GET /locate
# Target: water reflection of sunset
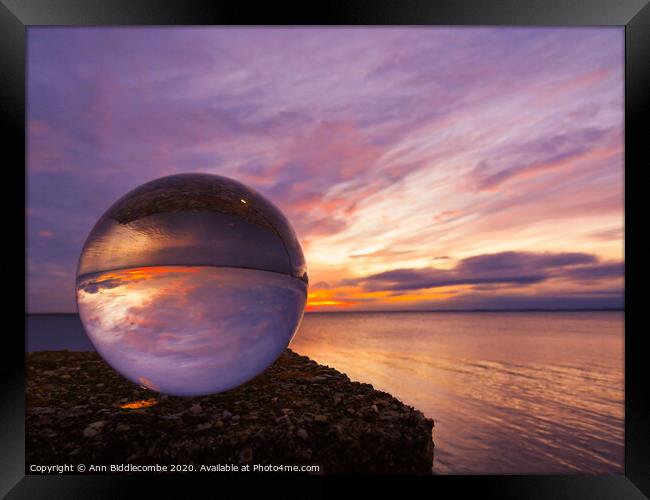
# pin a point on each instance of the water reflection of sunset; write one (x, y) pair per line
(525, 392)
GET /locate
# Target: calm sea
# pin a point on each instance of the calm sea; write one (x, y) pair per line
(510, 392)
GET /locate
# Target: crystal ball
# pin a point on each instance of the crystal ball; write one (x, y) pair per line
(191, 284)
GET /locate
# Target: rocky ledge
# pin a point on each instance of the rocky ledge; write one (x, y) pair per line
(297, 412)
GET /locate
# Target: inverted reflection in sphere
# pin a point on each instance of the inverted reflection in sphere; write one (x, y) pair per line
(191, 284)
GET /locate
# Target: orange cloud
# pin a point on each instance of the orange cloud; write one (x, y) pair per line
(317, 299)
(140, 273)
(346, 297)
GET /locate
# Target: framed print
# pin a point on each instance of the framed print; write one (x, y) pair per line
(377, 240)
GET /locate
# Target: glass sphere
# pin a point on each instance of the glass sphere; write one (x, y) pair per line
(191, 284)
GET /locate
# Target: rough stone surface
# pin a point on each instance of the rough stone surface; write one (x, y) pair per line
(297, 412)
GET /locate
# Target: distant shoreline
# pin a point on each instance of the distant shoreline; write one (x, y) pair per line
(400, 311)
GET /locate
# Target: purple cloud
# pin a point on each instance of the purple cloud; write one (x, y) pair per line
(506, 268)
(536, 156)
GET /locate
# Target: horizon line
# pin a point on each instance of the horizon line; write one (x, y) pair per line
(604, 309)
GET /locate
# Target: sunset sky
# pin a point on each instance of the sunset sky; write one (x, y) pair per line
(422, 168)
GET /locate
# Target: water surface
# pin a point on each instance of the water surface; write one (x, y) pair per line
(513, 392)
(510, 393)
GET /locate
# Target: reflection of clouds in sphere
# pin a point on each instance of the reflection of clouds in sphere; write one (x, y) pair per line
(188, 295)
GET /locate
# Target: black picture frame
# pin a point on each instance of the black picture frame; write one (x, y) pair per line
(16, 16)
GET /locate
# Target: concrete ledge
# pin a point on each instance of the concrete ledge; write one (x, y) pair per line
(297, 412)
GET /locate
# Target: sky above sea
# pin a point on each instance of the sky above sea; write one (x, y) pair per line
(422, 168)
